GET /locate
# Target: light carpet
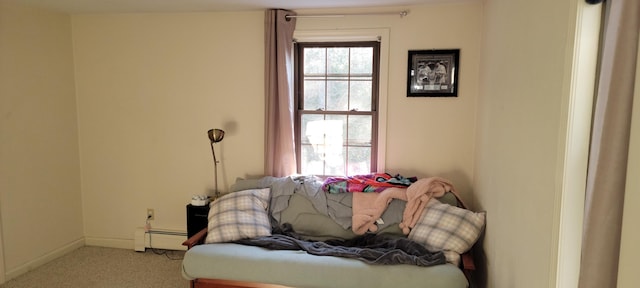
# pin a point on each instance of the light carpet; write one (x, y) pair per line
(100, 267)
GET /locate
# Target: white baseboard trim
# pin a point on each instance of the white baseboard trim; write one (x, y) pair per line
(44, 259)
(109, 242)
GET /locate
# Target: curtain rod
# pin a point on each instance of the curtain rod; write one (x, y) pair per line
(401, 14)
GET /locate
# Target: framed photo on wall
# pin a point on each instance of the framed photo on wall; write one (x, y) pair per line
(433, 73)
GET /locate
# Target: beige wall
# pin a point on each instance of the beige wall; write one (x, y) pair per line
(149, 86)
(522, 124)
(40, 203)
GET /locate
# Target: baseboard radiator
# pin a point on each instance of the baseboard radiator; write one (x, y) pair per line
(159, 239)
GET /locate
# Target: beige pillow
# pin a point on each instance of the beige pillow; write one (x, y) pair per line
(239, 215)
(447, 228)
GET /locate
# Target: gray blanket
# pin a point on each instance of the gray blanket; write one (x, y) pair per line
(370, 248)
(337, 206)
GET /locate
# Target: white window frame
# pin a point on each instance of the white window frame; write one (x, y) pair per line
(381, 35)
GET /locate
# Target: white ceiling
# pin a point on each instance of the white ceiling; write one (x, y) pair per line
(134, 6)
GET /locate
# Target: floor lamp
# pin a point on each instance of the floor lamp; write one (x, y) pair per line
(215, 135)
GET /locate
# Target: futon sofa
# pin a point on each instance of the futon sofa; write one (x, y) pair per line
(290, 232)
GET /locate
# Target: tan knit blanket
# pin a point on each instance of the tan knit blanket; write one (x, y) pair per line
(368, 207)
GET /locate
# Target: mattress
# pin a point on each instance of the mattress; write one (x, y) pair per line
(298, 269)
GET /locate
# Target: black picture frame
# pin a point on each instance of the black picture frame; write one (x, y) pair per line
(433, 73)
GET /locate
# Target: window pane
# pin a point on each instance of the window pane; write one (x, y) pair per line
(325, 138)
(304, 122)
(360, 99)
(314, 61)
(359, 160)
(362, 60)
(310, 164)
(359, 130)
(337, 96)
(314, 95)
(338, 61)
(342, 119)
(335, 163)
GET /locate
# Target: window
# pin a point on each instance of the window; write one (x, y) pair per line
(336, 86)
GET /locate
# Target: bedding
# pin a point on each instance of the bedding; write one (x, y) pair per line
(418, 195)
(370, 248)
(239, 215)
(368, 208)
(301, 214)
(447, 228)
(375, 182)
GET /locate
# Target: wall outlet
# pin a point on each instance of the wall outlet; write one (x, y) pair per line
(150, 214)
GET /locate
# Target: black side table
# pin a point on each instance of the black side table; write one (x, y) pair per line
(197, 219)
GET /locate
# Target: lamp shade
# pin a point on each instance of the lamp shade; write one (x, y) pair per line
(216, 135)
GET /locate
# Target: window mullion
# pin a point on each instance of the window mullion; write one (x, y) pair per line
(326, 78)
(346, 133)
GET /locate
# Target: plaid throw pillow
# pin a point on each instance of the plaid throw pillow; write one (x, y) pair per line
(239, 215)
(447, 228)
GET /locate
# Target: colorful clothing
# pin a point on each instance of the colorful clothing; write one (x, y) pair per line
(375, 182)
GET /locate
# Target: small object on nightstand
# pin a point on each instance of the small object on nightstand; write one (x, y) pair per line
(199, 200)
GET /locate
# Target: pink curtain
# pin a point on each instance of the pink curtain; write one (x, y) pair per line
(608, 156)
(280, 158)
